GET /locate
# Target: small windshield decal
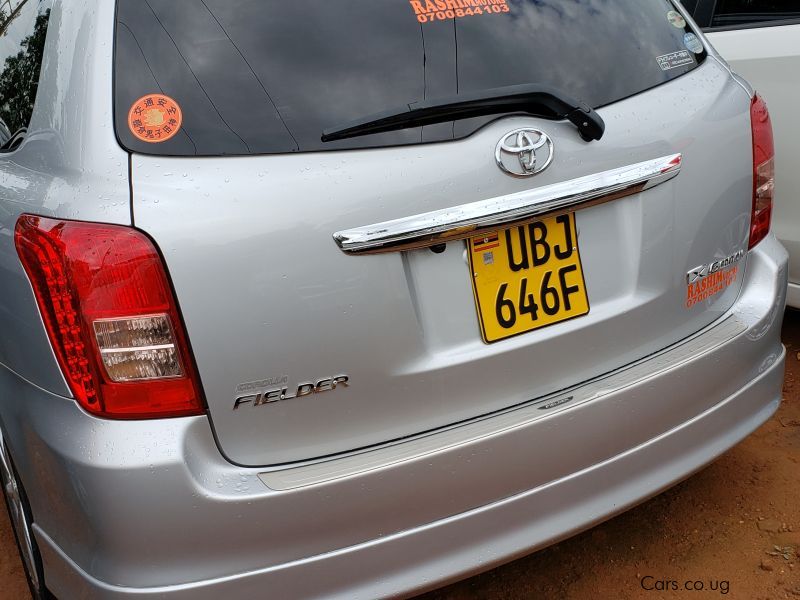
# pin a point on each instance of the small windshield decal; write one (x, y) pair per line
(692, 42)
(673, 60)
(441, 10)
(155, 118)
(676, 19)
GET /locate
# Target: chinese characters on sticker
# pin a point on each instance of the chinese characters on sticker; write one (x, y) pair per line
(155, 118)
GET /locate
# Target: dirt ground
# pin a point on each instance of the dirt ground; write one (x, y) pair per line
(732, 530)
(12, 575)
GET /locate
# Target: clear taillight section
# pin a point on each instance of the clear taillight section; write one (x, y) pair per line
(763, 170)
(138, 348)
(111, 317)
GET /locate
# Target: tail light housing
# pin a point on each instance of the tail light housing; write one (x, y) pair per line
(763, 170)
(111, 317)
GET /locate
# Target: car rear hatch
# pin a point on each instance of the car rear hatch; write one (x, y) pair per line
(314, 330)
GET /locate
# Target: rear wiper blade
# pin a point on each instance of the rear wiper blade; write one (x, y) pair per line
(537, 100)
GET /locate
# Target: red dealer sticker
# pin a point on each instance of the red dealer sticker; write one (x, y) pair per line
(709, 286)
(155, 118)
(440, 10)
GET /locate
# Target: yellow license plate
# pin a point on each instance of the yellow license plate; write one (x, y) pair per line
(527, 277)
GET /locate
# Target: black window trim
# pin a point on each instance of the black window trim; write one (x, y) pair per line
(704, 14)
(753, 25)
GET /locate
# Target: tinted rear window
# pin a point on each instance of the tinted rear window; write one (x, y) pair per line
(261, 77)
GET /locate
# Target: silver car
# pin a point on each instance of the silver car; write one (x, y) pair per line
(761, 40)
(351, 299)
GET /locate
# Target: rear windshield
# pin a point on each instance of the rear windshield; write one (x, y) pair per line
(216, 77)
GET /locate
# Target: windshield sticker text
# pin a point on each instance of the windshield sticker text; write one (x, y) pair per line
(440, 10)
(673, 60)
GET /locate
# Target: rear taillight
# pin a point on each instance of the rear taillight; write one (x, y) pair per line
(111, 316)
(763, 170)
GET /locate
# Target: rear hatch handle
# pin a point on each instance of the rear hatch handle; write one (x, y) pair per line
(533, 99)
(486, 216)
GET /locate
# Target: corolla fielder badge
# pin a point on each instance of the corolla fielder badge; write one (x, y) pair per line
(275, 389)
(524, 152)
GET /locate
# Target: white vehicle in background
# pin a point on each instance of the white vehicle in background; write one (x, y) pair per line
(760, 39)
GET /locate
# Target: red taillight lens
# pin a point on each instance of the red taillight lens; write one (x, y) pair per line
(111, 317)
(763, 170)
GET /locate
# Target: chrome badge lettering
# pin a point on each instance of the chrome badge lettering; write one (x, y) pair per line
(703, 271)
(268, 396)
(554, 403)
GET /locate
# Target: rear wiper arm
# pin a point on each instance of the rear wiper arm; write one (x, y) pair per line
(537, 100)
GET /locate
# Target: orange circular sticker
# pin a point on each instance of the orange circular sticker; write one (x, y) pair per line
(155, 118)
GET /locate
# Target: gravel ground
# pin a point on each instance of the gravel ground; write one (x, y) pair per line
(733, 528)
(12, 575)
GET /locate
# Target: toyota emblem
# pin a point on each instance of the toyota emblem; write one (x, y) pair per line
(524, 152)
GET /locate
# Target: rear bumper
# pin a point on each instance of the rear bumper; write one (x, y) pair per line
(151, 509)
(793, 295)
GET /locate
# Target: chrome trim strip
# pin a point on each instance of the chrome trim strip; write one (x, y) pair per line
(484, 216)
(137, 348)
